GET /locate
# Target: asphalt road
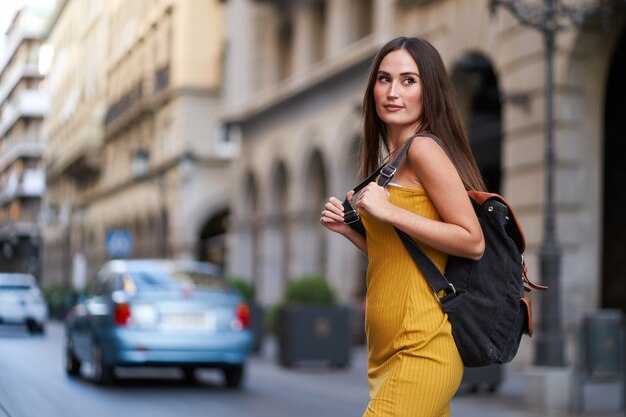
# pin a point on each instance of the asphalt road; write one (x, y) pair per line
(33, 383)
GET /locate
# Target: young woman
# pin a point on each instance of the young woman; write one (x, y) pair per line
(414, 368)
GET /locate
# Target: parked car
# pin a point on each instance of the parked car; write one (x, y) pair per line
(21, 302)
(159, 313)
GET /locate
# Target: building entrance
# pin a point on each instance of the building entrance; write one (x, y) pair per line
(614, 233)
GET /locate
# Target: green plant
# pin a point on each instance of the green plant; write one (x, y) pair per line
(271, 317)
(59, 298)
(243, 286)
(309, 289)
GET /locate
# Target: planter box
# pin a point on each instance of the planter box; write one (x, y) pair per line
(257, 325)
(314, 333)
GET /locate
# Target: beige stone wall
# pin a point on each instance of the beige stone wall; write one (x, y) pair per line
(296, 112)
(278, 130)
(153, 72)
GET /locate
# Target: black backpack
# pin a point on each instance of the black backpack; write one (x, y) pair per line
(484, 299)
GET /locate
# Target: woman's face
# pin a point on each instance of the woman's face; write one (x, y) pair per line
(398, 92)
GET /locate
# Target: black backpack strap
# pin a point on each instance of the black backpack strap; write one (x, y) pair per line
(431, 273)
(385, 174)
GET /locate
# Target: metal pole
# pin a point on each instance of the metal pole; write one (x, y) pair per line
(164, 219)
(550, 341)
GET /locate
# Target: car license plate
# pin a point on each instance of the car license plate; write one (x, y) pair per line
(176, 321)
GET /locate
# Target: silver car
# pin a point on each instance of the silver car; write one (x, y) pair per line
(21, 302)
(159, 313)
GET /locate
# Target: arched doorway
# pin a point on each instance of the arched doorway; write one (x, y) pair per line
(212, 243)
(614, 233)
(317, 191)
(479, 100)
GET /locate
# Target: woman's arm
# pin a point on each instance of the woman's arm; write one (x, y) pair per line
(332, 219)
(458, 233)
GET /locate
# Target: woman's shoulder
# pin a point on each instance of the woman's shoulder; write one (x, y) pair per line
(426, 155)
(426, 146)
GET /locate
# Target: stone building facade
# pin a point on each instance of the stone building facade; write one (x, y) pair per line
(23, 104)
(135, 159)
(174, 121)
(295, 79)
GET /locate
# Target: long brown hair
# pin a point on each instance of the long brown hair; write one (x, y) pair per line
(439, 115)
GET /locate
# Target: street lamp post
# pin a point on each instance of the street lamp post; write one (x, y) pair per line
(549, 18)
(141, 171)
(164, 238)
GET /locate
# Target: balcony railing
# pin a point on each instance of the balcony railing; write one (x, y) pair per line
(31, 184)
(25, 26)
(26, 103)
(124, 103)
(161, 78)
(31, 146)
(14, 75)
(81, 153)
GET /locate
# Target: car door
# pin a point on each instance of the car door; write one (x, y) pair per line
(99, 308)
(79, 320)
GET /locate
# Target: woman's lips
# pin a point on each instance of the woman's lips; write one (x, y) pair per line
(393, 107)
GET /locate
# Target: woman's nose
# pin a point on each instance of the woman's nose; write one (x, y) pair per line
(391, 91)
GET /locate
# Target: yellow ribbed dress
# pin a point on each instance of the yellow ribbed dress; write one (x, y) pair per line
(414, 368)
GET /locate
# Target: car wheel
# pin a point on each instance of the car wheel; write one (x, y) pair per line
(233, 375)
(72, 364)
(35, 328)
(103, 374)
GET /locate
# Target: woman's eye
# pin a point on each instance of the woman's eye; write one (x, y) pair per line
(408, 81)
(383, 79)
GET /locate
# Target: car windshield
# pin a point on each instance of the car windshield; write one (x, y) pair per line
(15, 282)
(164, 279)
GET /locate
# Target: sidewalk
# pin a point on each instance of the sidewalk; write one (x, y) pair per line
(601, 400)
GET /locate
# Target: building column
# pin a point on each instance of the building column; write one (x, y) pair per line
(239, 52)
(240, 246)
(304, 44)
(383, 12)
(270, 266)
(339, 31)
(307, 256)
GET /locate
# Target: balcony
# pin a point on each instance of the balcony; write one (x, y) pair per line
(26, 103)
(125, 109)
(31, 146)
(13, 229)
(35, 32)
(161, 78)
(80, 157)
(32, 183)
(15, 74)
(143, 97)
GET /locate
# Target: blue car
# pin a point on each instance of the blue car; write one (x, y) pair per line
(159, 313)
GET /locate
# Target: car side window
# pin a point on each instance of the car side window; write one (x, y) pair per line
(98, 285)
(114, 283)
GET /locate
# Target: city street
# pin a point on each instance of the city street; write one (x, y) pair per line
(33, 384)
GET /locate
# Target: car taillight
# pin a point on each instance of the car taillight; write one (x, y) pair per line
(122, 314)
(243, 315)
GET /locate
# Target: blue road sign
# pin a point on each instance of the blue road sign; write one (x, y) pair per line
(119, 243)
